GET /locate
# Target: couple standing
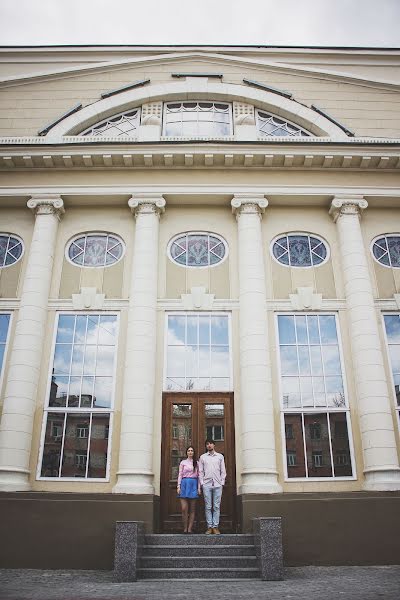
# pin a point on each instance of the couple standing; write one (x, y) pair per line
(207, 474)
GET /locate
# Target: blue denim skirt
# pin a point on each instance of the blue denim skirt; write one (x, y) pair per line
(189, 486)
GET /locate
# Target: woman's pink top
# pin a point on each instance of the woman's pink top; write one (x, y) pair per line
(186, 470)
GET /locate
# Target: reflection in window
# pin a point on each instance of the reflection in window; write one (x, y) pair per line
(197, 250)
(124, 124)
(270, 125)
(299, 250)
(11, 249)
(392, 326)
(181, 435)
(80, 396)
(215, 415)
(198, 356)
(205, 119)
(386, 251)
(314, 406)
(95, 250)
(4, 324)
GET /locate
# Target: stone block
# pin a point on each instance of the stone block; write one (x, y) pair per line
(129, 536)
(269, 549)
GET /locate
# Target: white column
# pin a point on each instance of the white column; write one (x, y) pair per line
(135, 472)
(381, 466)
(26, 354)
(259, 474)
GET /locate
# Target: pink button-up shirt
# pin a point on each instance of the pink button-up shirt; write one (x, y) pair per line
(212, 471)
(186, 470)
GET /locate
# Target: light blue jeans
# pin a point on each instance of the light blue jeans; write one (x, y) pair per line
(212, 502)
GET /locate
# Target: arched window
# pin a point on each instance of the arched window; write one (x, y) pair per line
(386, 250)
(299, 250)
(125, 123)
(11, 249)
(197, 249)
(270, 125)
(184, 119)
(95, 250)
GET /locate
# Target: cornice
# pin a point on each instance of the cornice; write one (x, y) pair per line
(93, 154)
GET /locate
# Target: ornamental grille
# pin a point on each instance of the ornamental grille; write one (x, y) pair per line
(268, 124)
(197, 250)
(95, 250)
(118, 125)
(299, 251)
(386, 251)
(197, 118)
(10, 250)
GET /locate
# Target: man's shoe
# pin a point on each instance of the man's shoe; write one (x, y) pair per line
(209, 531)
(216, 531)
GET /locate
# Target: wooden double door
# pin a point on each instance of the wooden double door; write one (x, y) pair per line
(188, 419)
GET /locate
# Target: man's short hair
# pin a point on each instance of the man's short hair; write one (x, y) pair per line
(210, 441)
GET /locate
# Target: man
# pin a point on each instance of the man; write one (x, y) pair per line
(212, 476)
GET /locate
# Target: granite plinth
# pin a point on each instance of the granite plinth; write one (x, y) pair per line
(129, 537)
(268, 543)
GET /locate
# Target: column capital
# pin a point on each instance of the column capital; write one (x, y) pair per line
(147, 204)
(347, 205)
(46, 204)
(249, 204)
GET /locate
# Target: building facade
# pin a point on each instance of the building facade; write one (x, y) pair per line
(200, 241)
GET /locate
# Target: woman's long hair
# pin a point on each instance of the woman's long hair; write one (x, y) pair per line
(194, 456)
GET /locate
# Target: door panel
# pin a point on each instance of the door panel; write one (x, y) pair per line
(188, 419)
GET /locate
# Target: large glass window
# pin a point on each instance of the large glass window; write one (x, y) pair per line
(207, 119)
(4, 325)
(95, 250)
(197, 249)
(11, 249)
(271, 125)
(80, 398)
(314, 405)
(392, 326)
(386, 250)
(124, 124)
(198, 352)
(299, 250)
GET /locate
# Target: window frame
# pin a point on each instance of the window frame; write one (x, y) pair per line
(175, 313)
(392, 386)
(373, 242)
(315, 410)
(188, 233)
(6, 344)
(93, 233)
(261, 135)
(196, 136)
(21, 241)
(114, 116)
(300, 233)
(76, 410)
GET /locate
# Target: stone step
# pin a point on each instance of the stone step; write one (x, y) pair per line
(195, 573)
(200, 562)
(169, 539)
(199, 550)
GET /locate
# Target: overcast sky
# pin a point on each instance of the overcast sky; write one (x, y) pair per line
(247, 22)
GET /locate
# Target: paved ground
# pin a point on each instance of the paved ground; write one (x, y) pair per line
(310, 583)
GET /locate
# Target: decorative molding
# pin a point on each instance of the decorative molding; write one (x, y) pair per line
(198, 299)
(147, 204)
(88, 299)
(347, 205)
(47, 204)
(306, 299)
(397, 300)
(249, 204)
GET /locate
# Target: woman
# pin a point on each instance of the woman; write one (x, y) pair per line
(188, 488)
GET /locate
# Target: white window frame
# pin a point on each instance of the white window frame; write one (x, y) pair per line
(319, 410)
(302, 233)
(261, 134)
(396, 407)
(93, 233)
(371, 247)
(196, 136)
(194, 314)
(64, 409)
(114, 116)
(6, 345)
(188, 233)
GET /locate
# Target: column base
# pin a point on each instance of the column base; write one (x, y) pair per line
(382, 480)
(14, 481)
(260, 483)
(134, 483)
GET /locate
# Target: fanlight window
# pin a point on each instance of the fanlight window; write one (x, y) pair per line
(11, 249)
(386, 250)
(182, 119)
(118, 125)
(95, 250)
(197, 249)
(268, 124)
(299, 250)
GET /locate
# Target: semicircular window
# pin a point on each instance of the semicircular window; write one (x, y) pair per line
(299, 250)
(270, 125)
(11, 249)
(185, 119)
(125, 123)
(386, 250)
(197, 249)
(95, 250)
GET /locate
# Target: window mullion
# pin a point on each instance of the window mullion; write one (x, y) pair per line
(62, 444)
(330, 442)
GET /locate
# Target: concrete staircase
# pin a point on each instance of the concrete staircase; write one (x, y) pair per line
(192, 556)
